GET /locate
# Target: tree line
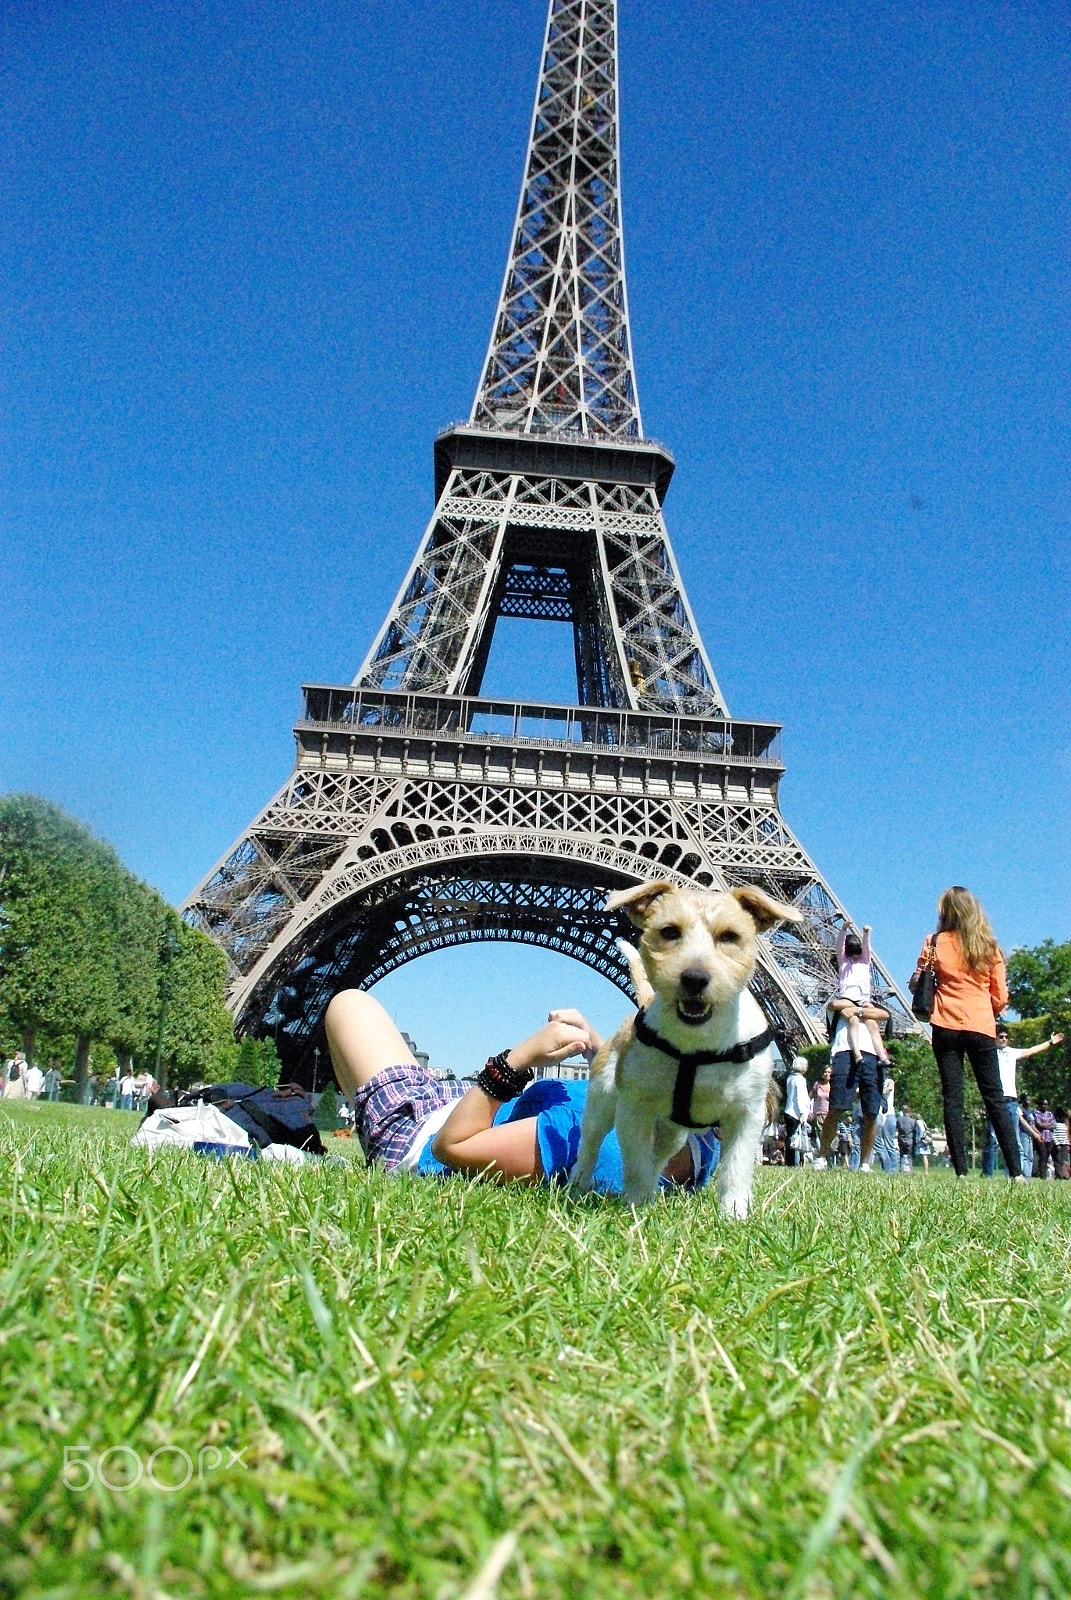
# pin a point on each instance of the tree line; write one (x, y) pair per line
(91, 957)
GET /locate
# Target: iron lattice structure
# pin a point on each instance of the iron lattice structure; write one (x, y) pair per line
(421, 814)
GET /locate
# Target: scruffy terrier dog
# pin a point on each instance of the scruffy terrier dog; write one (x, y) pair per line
(698, 1052)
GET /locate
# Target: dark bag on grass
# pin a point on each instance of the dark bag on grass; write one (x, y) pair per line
(269, 1116)
(924, 987)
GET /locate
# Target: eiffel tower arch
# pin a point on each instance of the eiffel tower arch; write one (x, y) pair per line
(422, 814)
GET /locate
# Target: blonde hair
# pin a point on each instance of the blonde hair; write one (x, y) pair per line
(959, 912)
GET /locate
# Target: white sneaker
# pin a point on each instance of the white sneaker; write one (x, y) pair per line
(864, 1166)
(820, 1163)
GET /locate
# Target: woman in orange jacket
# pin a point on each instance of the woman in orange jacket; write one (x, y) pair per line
(972, 991)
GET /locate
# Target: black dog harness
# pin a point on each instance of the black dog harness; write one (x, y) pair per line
(689, 1061)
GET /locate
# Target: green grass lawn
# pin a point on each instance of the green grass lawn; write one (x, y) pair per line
(865, 1390)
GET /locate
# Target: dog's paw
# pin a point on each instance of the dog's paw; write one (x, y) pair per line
(736, 1206)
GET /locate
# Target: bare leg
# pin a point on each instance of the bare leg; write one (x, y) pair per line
(362, 1040)
(855, 1041)
(866, 1138)
(874, 1016)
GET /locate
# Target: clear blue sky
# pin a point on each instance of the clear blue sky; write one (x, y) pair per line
(249, 260)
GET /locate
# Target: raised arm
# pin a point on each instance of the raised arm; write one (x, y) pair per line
(866, 944)
(1039, 1049)
(469, 1142)
(842, 935)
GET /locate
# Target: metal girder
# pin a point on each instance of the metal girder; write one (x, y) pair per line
(637, 642)
(560, 356)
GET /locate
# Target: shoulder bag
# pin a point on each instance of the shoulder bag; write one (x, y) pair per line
(924, 985)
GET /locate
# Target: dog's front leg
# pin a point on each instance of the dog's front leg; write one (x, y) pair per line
(599, 1108)
(741, 1135)
(639, 1156)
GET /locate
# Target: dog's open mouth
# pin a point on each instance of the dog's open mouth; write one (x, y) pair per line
(694, 1012)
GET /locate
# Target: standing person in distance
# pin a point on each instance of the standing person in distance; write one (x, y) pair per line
(923, 1144)
(1044, 1122)
(820, 1100)
(1061, 1144)
(972, 991)
(1008, 1060)
(905, 1139)
(797, 1110)
(885, 1143)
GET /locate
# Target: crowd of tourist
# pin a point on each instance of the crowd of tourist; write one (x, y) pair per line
(900, 1138)
(124, 1090)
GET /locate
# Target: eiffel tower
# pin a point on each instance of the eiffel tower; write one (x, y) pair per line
(421, 814)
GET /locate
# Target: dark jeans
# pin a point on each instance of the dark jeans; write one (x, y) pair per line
(793, 1158)
(950, 1045)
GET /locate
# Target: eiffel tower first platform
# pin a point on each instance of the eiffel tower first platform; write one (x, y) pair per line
(420, 814)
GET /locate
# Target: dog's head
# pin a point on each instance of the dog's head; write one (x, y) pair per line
(698, 948)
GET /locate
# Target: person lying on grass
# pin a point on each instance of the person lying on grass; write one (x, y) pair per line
(501, 1123)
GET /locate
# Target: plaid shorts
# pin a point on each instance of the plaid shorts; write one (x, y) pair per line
(390, 1107)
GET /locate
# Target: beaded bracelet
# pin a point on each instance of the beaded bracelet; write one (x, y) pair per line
(499, 1080)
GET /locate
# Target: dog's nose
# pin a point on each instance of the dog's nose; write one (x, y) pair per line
(693, 980)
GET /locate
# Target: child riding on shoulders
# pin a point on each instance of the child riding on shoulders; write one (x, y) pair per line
(853, 997)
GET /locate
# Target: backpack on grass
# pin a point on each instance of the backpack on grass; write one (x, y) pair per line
(269, 1116)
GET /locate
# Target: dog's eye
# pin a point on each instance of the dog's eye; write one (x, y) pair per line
(727, 936)
(670, 932)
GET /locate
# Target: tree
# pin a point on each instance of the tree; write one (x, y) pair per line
(326, 1117)
(915, 1075)
(57, 933)
(139, 915)
(1039, 983)
(1039, 979)
(198, 1030)
(89, 952)
(258, 1062)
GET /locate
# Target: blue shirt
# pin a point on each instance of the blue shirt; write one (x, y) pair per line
(558, 1107)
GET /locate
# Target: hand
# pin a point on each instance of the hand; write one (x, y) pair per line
(866, 927)
(554, 1042)
(1056, 1038)
(579, 1021)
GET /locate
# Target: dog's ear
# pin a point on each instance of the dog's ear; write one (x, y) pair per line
(764, 911)
(638, 901)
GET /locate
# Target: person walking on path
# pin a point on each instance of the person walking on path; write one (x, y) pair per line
(972, 991)
(797, 1111)
(1008, 1060)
